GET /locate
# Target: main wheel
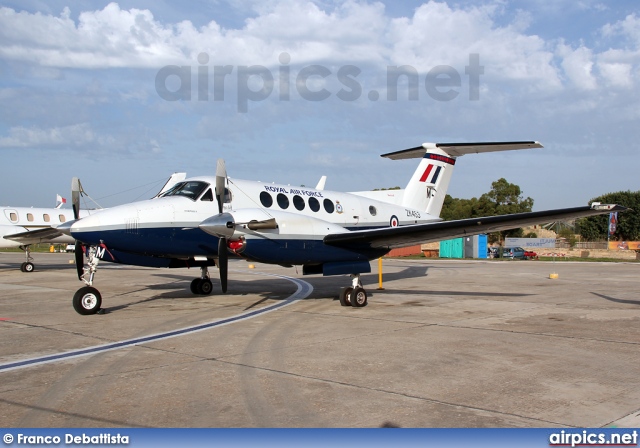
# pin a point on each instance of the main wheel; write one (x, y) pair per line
(195, 285)
(358, 298)
(87, 300)
(205, 287)
(28, 267)
(22, 266)
(345, 296)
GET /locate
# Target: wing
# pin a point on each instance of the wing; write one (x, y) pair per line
(393, 237)
(35, 236)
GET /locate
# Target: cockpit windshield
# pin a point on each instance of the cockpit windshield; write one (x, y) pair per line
(191, 189)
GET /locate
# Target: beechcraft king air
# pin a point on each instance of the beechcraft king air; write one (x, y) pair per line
(200, 220)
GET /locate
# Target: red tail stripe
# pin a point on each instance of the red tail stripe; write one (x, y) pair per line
(426, 173)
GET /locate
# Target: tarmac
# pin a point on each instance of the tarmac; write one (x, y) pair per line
(458, 343)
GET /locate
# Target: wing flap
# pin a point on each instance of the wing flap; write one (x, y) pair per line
(394, 237)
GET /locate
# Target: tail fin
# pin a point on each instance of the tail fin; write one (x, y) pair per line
(429, 184)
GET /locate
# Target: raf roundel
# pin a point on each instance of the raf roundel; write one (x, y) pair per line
(393, 222)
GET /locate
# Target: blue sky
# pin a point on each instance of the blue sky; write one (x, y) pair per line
(79, 97)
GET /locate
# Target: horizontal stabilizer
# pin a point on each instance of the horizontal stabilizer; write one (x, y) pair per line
(394, 237)
(460, 149)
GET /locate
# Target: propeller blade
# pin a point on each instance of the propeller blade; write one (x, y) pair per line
(223, 262)
(79, 257)
(221, 177)
(76, 191)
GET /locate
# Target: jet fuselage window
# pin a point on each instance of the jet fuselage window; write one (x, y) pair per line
(30, 217)
(298, 202)
(265, 199)
(373, 210)
(283, 201)
(328, 206)
(13, 217)
(190, 189)
(62, 218)
(46, 218)
(314, 204)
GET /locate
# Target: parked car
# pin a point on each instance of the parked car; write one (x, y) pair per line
(513, 253)
(70, 248)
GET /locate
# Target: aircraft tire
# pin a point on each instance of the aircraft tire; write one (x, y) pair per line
(358, 298)
(345, 293)
(28, 267)
(22, 266)
(195, 285)
(87, 300)
(205, 287)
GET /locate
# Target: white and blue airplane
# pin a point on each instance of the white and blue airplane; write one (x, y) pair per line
(198, 221)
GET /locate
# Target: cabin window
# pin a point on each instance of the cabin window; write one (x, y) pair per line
(298, 202)
(62, 218)
(283, 201)
(208, 196)
(46, 218)
(30, 217)
(13, 217)
(227, 196)
(328, 206)
(314, 204)
(265, 199)
(373, 210)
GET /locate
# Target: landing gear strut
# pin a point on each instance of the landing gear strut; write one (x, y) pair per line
(87, 300)
(354, 295)
(27, 266)
(202, 285)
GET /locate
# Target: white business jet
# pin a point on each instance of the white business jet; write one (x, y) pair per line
(200, 220)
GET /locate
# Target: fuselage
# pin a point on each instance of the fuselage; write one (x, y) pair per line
(167, 226)
(15, 220)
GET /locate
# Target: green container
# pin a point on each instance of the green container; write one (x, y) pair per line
(452, 248)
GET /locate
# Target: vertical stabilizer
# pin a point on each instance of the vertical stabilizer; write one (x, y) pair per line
(429, 184)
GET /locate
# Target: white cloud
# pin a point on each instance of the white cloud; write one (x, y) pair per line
(578, 65)
(23, 137)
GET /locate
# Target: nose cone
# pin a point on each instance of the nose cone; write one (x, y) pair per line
(221, 225)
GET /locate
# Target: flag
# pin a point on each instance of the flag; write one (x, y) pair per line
(59, 201)
(613, 221)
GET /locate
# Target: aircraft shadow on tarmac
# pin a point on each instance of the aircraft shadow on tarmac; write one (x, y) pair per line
(279, 289)
(612, 299)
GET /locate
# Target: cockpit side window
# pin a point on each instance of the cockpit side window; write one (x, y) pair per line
(208, 196)
(190, 189)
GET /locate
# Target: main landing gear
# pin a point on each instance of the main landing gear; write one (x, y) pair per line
(354, 295)
(27, 266)
(202, 285)
(87, 300)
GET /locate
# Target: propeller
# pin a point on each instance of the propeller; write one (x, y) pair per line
(223, 255)
(76, 191)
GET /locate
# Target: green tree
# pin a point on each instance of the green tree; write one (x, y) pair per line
(503, 198)
(596, 228)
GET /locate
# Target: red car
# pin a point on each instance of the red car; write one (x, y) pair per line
(530, 255)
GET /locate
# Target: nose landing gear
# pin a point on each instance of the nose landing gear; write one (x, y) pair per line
(354, 295)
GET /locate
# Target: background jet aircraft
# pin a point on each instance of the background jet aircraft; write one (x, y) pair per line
(200, 220)
(23, 226)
